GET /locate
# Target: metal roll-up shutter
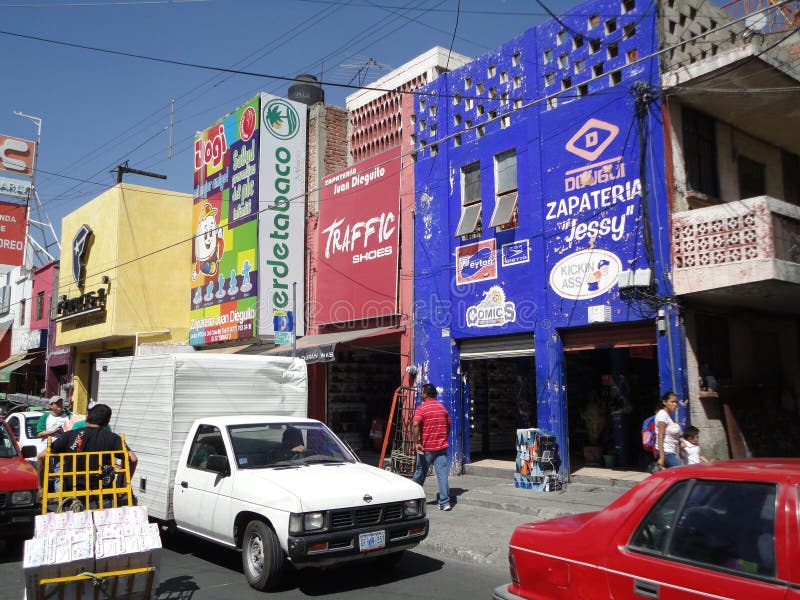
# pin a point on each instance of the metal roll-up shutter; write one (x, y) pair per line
(610, 336)
(499, 346)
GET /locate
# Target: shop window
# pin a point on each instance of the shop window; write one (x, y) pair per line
(791, 177)
(752, 177)
(39, 305)
(470, 222)
(700, 152)
(505, 176)
(5, 299)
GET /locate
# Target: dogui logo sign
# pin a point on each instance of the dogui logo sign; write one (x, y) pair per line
(13, 223)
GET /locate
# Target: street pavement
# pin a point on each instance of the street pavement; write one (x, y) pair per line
(487, 507)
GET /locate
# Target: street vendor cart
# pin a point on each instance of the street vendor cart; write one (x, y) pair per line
(91, 541)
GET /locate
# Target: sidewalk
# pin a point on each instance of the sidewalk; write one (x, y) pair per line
(487, 507)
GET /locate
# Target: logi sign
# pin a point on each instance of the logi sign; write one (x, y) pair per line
(585, 274)
(359, 240)
(281, 219)
(224, 290)
(13, 224)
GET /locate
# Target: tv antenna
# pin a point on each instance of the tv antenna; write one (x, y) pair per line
(363, 69)
(124, 168)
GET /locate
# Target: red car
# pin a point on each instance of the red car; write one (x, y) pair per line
(18, 488)
(727, 529)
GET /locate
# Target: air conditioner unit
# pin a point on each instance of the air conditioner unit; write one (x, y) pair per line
(600, 313)
(638, 278)
(642, 277)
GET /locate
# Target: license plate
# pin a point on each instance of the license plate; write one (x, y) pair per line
(371, 541)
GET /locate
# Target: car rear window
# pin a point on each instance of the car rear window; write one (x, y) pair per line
(726, 525)
(30, 426)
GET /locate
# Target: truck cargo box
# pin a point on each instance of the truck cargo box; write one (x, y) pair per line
(156, 398)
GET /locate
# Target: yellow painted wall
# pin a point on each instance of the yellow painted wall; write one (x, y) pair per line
(141, 243)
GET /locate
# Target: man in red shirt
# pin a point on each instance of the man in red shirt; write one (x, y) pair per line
(431, 430)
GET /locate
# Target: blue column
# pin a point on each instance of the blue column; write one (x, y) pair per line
(551, 396)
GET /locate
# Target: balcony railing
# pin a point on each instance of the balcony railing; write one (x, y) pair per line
(780, 16)
(733, 239)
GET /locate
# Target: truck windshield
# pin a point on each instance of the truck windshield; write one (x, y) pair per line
(274, 445)
(8, 449)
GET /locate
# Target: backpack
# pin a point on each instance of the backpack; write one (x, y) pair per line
(649, 434)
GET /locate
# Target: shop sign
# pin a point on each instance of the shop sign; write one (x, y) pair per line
(224, 267)
(515, 253)
(80, 246)
(585, 274)
(16, 188)
(16, 155)
(13, 226)
(493, 311)
(85, 304)
(281, 217)
(359, 237)
(476, 262)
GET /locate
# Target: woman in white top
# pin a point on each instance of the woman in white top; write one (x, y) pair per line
(669, 433)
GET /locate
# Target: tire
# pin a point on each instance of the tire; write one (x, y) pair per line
(262, 556)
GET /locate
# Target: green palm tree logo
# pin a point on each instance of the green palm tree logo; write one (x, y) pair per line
(281, 119)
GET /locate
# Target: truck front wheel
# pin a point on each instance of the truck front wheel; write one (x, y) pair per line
(262, 556)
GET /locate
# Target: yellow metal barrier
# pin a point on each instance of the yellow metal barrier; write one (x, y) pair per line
(96, 479)
(101, 585)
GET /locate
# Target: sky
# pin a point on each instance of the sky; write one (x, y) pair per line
(100, 109)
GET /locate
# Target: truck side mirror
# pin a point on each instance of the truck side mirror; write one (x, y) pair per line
(29, 451)
(218, 463)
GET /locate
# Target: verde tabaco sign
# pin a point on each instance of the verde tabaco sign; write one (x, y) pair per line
(281, 223)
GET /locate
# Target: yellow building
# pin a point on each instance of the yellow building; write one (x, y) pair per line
(123, 279)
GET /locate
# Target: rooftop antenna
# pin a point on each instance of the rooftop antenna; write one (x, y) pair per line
(124, 168)
(361, 74)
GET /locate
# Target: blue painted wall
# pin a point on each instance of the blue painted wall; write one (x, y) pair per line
(581, 206)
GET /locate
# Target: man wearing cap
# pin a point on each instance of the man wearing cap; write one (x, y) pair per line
(51, 424)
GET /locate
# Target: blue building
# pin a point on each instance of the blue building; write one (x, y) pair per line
(541, 269)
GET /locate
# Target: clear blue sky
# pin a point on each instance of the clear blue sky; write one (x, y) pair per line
(100, 109)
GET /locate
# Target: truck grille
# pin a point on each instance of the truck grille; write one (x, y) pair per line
(2, 499)
(367, 516)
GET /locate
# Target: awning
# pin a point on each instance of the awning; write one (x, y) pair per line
(319, 348)
(5, 372)
(12, 359)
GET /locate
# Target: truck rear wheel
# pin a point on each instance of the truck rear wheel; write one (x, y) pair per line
(262, 556)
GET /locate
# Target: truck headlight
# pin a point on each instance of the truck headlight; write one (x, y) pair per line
(302, 522)
(20, 498)
(313, 521)
(411, 508)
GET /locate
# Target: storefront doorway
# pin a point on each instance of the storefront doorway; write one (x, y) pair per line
(609, 393)
(361, 383)
(498, 394)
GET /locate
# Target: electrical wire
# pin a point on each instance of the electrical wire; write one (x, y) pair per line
(302, 196)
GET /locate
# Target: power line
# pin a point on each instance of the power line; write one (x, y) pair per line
(103, 4)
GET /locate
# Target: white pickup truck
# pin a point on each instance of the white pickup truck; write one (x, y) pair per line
(280, 487)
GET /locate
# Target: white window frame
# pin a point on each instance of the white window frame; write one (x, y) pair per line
(469, 224)
(505, 205)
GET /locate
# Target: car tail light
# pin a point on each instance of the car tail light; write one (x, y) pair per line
(512, 567)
